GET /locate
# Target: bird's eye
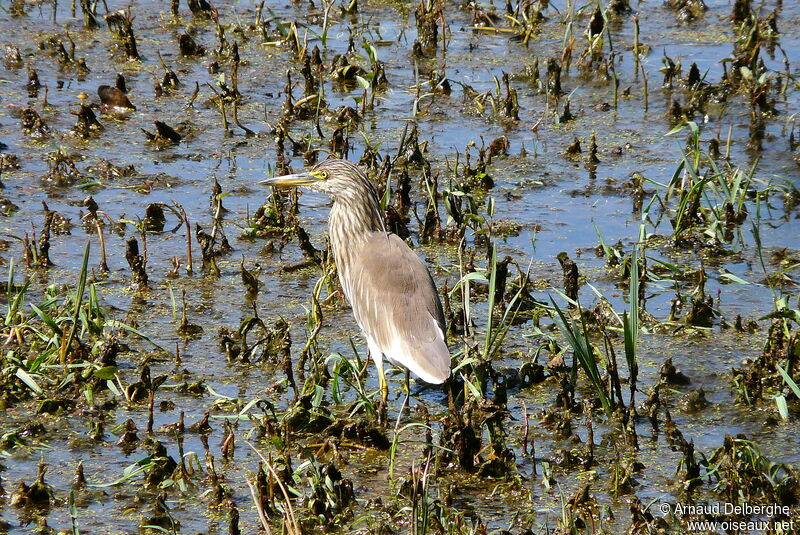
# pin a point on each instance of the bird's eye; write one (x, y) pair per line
(324, 175)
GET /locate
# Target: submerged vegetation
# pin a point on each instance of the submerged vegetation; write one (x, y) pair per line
(606, 195)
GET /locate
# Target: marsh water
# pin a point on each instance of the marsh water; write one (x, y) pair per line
(547, 201)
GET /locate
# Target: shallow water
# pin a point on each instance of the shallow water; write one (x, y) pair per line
(542, 190)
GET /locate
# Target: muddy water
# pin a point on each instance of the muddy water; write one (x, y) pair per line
(553, 199)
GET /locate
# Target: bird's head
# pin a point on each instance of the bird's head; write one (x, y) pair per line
(333, 177)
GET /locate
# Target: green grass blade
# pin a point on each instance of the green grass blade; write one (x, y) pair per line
(28, 380)
(45, 317)
(78, 302)
(116, 324)
(789, 381)
(579, 342)
(630, 323)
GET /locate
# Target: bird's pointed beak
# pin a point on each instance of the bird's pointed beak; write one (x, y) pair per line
(297, 179)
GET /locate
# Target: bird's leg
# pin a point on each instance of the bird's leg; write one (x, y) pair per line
(384, 386)
(408, 388)
(383, 402)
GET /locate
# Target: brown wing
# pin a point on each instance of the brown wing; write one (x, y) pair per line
(395, 303)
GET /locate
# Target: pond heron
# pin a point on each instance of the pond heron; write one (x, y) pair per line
(392, 294)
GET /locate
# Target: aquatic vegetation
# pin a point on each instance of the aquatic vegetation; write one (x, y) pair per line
(605, 194)
(67, 345)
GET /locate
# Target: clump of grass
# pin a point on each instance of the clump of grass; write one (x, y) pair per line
(62, 344)
(744, 474)
(583, 352)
